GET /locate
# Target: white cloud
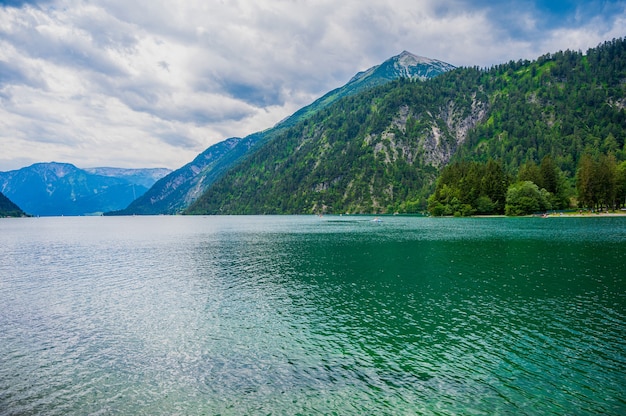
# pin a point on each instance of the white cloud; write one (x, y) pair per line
(153, 83)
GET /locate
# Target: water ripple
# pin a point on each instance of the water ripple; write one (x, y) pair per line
(298, 315)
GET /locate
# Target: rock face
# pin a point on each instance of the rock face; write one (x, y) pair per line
(442, 142)
(175, 192)
(50, 189)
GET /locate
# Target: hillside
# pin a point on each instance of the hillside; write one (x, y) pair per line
(381, 151)
(8, 208)
(175, 191)
(49, 189)
(182, 187)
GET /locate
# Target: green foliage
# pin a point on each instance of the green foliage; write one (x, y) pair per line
(485, 205)
(547, 176)
(8, 208)
(467, 188)
(556, 106)
(600, 182)
(525, 198)
(620, 184)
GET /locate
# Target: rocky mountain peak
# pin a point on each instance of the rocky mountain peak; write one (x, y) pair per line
(409, 65)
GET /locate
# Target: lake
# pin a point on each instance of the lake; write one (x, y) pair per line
(303, 315)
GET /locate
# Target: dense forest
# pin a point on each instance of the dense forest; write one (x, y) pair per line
(544, 134)
(468, 188)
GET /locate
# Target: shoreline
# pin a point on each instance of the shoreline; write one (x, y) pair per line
(558, 215)
(586, 214)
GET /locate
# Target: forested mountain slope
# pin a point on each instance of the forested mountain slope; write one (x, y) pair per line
(179, 188)
(8, 208)
(382, 150)
(558, 105)
(366, 153)
(182, 187)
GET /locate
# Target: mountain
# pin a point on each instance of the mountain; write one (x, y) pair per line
(143, 177)
(406, 66)
(381, 150)
(178, 189)
(8, 208)
(63, 189)
(182, 187)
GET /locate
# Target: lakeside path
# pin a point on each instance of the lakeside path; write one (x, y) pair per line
(587, 214)
(562, 215)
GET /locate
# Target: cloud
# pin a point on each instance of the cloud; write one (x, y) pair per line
(153, 83)
(11, 73)
(20, 3)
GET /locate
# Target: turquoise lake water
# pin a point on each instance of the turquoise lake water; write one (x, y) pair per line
(306, 315)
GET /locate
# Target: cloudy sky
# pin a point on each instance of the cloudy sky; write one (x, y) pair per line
(152, 83)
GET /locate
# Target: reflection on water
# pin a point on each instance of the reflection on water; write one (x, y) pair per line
(287, 315)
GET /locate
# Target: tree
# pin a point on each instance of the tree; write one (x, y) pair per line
(597, 181)
(466, 188)
(494, 184)
(484, 205)
(525, 198)
(549, 174)
(606, 168)
(620, 184)
(530, 172)
(585, 182)
(610, 145)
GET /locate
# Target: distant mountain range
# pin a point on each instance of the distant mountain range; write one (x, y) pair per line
(175, 192)
(49, 189)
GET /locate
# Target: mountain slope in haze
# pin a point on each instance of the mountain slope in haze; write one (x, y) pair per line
(182, 187)
(50, 189)
(178, 189)
(380, 151)
(144, 177)
(8, 208)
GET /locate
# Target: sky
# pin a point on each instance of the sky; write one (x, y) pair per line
(153, 83)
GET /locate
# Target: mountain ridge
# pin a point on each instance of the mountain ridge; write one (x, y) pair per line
(182, 187)
(54, 188)
(403, 65)
(382, 150)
